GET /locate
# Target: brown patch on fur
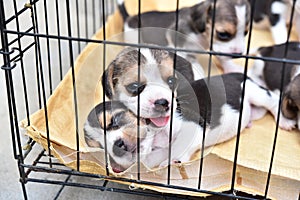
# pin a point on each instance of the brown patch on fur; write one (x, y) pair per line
(159, 55)
(166, 68)
(130, 132)
(225, 15)
(92, 143)
(108, 116)
(132, 75)
(291, 99)
(225, 26)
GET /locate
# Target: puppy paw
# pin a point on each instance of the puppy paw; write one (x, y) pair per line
(286, 124)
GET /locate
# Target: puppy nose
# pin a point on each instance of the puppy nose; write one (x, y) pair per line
(119, 148)
(161, 105)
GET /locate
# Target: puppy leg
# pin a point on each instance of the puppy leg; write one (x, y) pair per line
(256, 72)
(187, 142)
(156, 157)
(278, 29)
(257, 112)
(262, 97)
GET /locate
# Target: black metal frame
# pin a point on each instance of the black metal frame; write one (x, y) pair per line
(13, 52)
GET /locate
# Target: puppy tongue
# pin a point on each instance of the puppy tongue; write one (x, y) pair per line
(160, 121)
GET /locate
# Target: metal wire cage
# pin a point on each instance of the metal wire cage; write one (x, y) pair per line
(36, 55)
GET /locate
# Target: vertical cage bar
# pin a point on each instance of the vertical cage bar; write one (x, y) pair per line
(73, 82)
(104, 74)
(139, 96)
(78, 25)
(172, 103)
(59, 40)
(11, 100)
(41, 76)
(86, 19)
(48, 46)
(206, 100)
(22, 66)
(280, 101)
(242, 101)
(36, 40)
(94, 16)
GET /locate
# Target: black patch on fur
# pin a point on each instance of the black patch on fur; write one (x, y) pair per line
(167, 20)
(106, 86)
(262, 9)
(274, 19)
(123, 11)
(198, 99)
(273, 70)
(98, 109)
(183, 66)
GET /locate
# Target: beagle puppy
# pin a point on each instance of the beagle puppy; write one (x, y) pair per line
(121, 134)
(216, 103)
(150, 87)
(231, 24)
(269, 75)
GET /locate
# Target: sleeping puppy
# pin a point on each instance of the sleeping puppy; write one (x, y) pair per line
(121, 134)
(231, 26)
(269, 74)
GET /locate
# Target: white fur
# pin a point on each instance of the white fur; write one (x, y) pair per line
(296, 73)
(256, 72)
(131, 35)
(120, 2)
(156, 88)
(279, 30)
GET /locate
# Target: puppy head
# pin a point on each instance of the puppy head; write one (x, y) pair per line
(231, 23)
(148, 87)
(291, 99)
(121, 133)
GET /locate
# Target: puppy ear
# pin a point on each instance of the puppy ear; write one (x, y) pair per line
(91, 142)
(107, 81)
(289, 108)
(200, 14)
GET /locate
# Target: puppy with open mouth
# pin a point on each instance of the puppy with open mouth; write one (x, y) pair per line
(152, 87)
(231, 24)
(269, 74)
(214, 103)
(120, 127)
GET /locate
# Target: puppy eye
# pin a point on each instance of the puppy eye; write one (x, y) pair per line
(224, 36)
(135, 88)
(292, 106)
(172, 82)
(116, 121)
